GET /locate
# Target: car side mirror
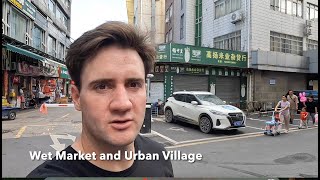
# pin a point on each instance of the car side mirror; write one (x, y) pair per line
(194, 102)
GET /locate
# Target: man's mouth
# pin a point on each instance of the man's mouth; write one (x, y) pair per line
(121, 124)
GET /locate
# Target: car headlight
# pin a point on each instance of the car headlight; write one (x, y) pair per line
(218, 113)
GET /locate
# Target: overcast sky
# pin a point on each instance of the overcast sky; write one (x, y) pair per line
(86, 15)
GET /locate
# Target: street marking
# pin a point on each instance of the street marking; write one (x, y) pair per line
(21, 131)
(253, 127)
(215, 138)
(56, 144)
(165, 137)
(65, 115)
(227, 139)
(158, 119)
(177, 129)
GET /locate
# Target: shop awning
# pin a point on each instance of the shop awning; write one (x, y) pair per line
(24, 52)
(53, 62)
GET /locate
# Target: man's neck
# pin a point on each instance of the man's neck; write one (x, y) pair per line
(85, 144)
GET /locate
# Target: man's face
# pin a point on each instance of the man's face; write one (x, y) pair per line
(113, 96)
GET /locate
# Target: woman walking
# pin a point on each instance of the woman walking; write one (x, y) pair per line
(284, 113)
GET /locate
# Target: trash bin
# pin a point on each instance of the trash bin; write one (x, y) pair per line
(146, 126)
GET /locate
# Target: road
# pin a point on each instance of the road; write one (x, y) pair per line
(244, 153)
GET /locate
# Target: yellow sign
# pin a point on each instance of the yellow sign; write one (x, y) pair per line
(17, 3)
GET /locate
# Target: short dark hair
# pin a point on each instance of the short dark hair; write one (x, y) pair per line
(116, 33)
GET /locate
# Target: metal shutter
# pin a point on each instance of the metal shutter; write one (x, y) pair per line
(190, 83)
(228, 88)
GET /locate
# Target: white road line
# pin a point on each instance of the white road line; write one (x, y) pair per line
(227, 139)
(215, 138)
(165, 137)
(253, 127)
(65, 115)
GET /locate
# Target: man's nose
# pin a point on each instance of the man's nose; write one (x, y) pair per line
(120, 100)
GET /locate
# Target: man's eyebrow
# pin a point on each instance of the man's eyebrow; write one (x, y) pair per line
(98, 81)
(135, 79)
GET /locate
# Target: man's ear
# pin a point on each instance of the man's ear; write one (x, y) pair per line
(75, 93)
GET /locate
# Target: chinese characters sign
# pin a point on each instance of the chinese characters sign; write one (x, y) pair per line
(200, 55)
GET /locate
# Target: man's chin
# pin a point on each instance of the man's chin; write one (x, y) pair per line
(121, 140)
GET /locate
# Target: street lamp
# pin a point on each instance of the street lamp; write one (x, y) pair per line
(149, 76)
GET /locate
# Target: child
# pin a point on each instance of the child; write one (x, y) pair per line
(303, 118)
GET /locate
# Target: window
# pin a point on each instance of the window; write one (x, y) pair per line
(170, 11)
(231, 41)
(38, 38)
(18, 26)
(312, 11)
(59, 14)
(190, 98)
(51, 6)
(198, 25)
(224, 7)
(181, 1)
(286, 43)
(182, 27)
(178, 97)
(291, 7)
(60, 51)
(312, 44)
(51, 46)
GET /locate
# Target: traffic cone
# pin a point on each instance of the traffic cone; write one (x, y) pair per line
(44, 109)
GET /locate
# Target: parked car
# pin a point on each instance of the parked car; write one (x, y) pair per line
(203, 109)
(308, 94)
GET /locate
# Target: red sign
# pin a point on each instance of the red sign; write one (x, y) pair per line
(26, 69)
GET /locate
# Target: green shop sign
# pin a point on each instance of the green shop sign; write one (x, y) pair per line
(181, 53)
(64, 73)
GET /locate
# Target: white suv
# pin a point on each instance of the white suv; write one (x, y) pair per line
(203, 109)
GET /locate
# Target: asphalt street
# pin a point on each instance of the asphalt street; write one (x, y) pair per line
(242, 153)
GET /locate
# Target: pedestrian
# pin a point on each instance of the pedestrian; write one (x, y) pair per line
(284, 113)
(293, 100)
(303, 118)
(311, 107)
(22, 98)
(109, 65)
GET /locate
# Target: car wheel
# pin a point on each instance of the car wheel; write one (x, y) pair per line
(12, 115)
(205, 124)
(169, 116)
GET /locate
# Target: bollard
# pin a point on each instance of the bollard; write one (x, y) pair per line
(146, 126)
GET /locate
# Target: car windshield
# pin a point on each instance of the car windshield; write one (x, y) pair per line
(210, 98)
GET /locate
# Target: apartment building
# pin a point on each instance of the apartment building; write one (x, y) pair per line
(148, 15)
(35, 38)
(280, 38)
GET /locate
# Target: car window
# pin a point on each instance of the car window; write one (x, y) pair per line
(179, 97)
(190, 98)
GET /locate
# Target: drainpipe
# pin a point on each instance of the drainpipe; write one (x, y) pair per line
(153, 21)
(249, 87)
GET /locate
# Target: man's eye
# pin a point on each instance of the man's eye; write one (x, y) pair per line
(101, 86)
(135, 84)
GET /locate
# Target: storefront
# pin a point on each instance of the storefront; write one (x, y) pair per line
(183, 67)
(65, 80)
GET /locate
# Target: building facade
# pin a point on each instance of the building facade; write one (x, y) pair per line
(35, 38)
(280, 37)
(148, 15)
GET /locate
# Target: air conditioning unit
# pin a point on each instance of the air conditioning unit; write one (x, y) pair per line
(307, 31)
(309, 23)
(236, 17)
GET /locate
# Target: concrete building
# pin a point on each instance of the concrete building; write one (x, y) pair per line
(148, 15)
(278, 35)
(35, 38)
